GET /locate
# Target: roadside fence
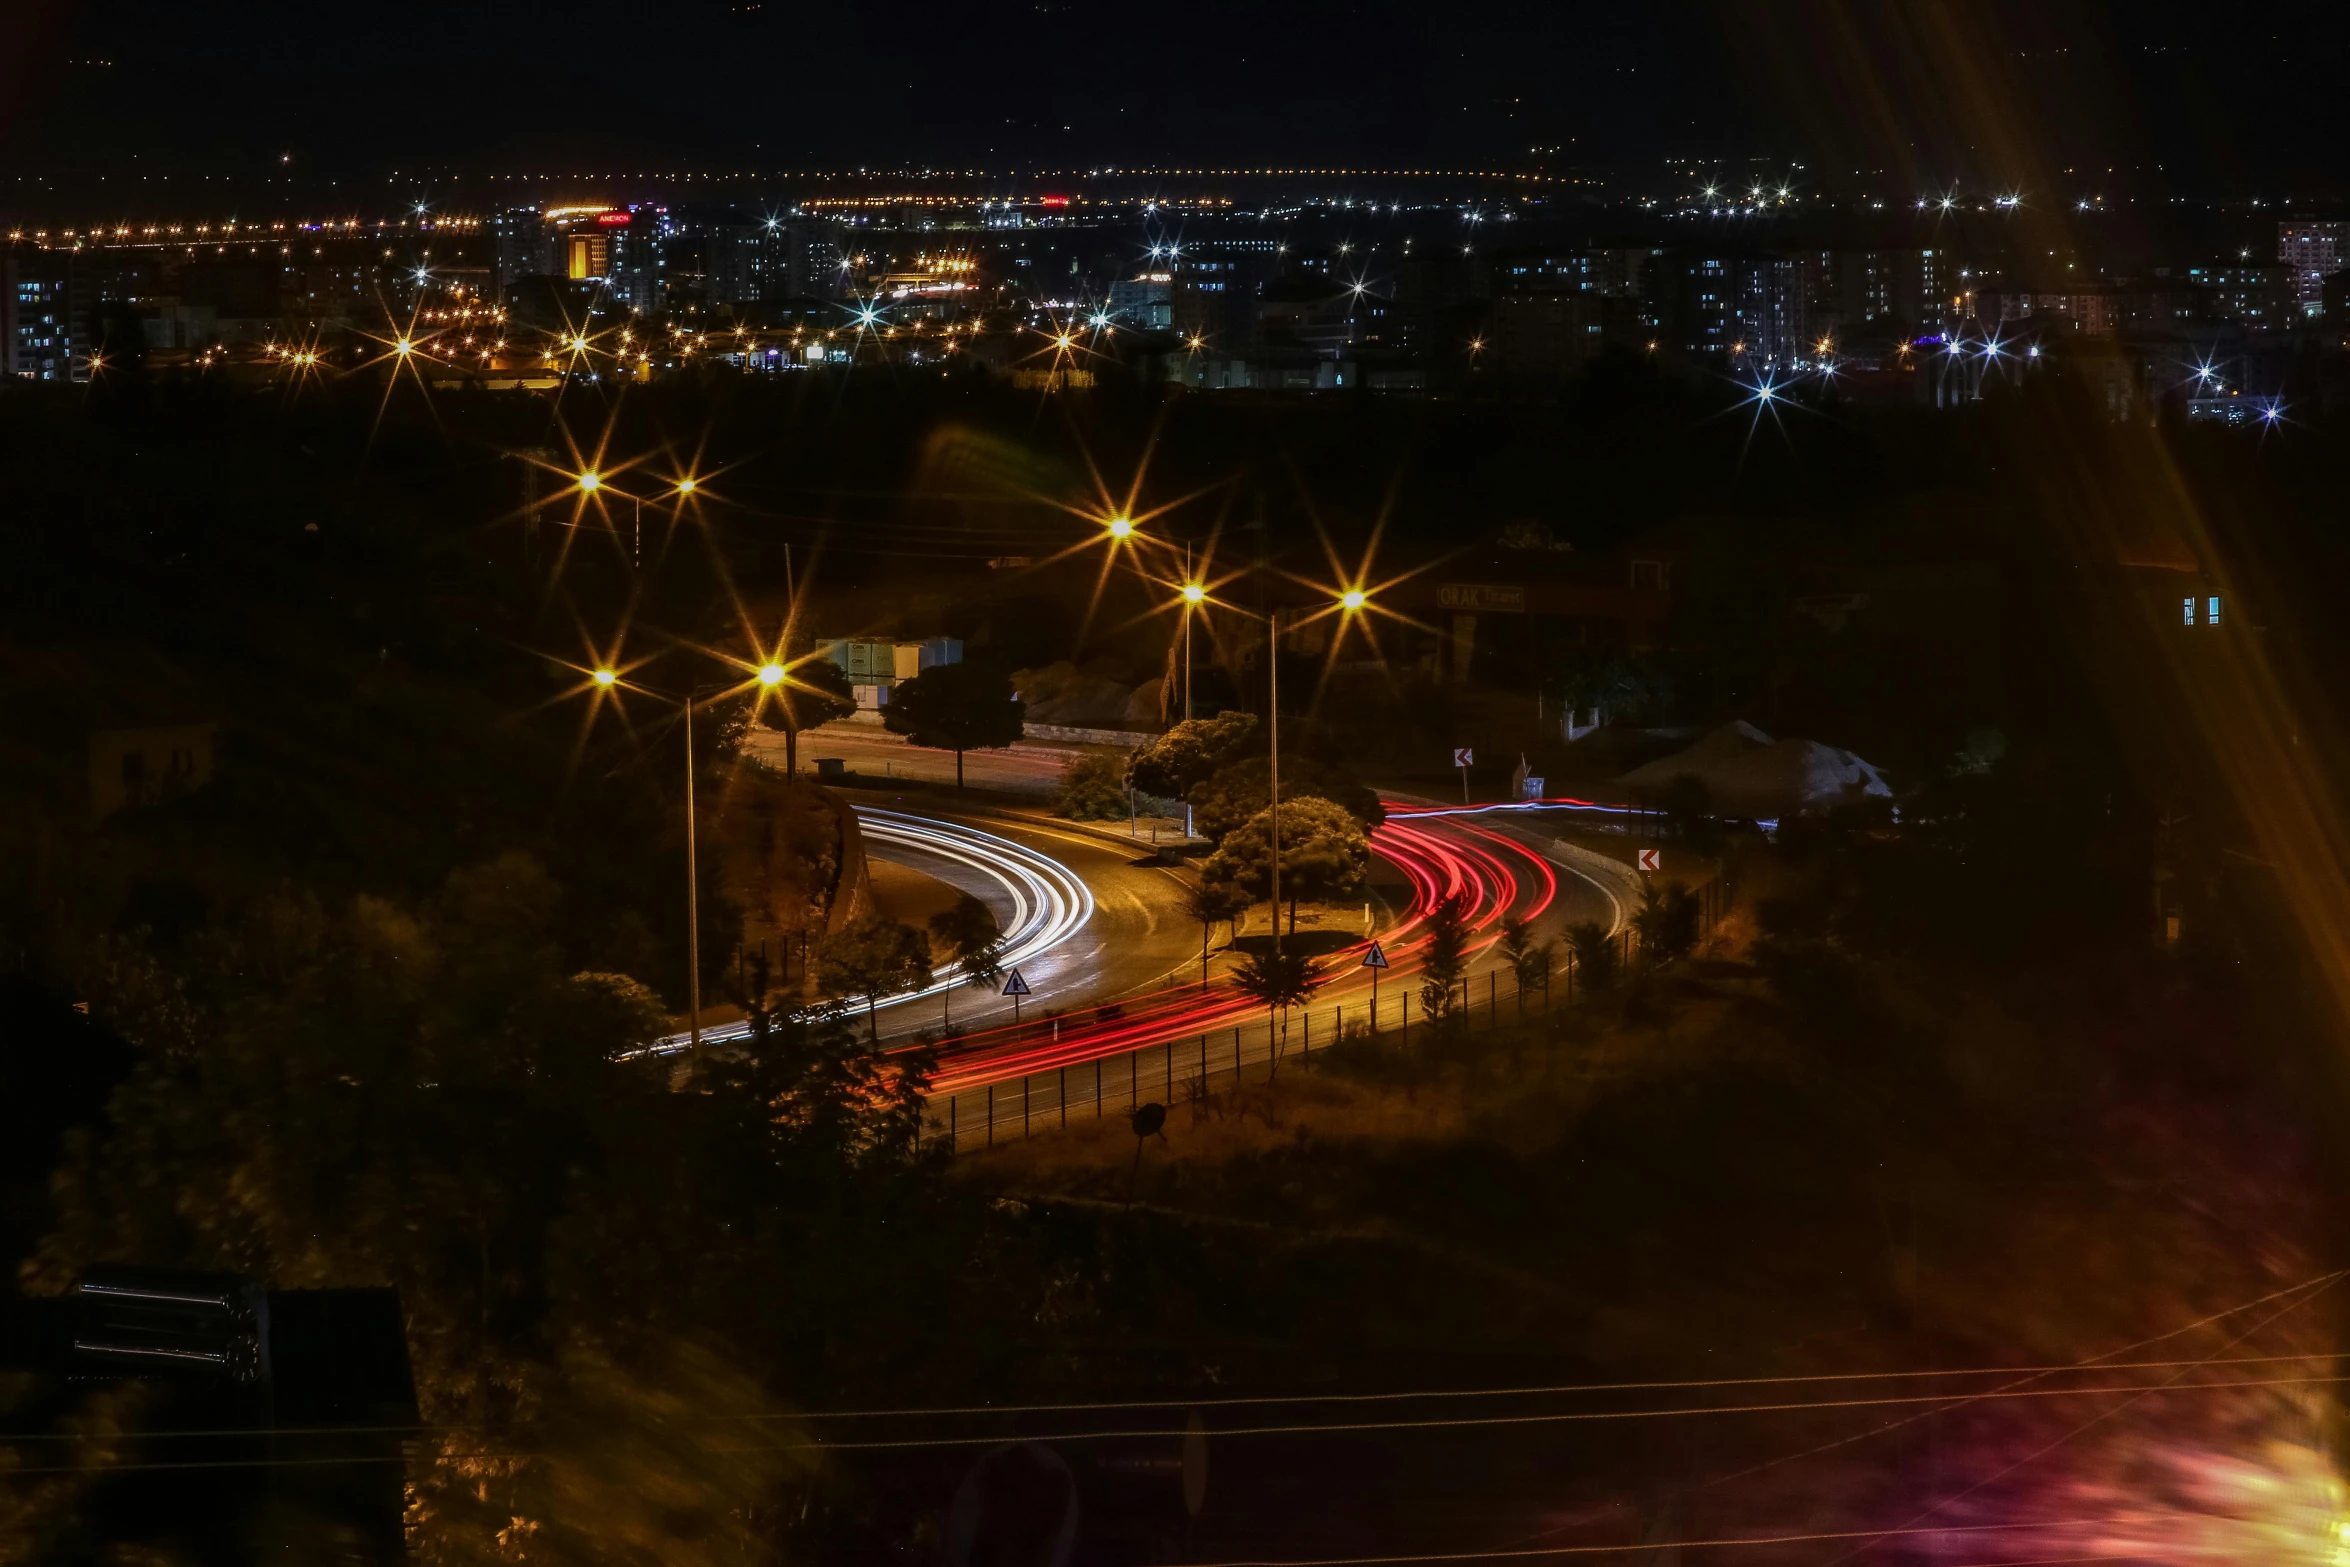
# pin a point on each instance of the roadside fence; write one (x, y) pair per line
(1016, 1107)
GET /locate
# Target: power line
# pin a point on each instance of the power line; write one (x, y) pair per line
(1577, 1417)
(1955, 1397)
(2104, 1362)
(2094, 1420)
(1549, 1390)
(2097, 1364)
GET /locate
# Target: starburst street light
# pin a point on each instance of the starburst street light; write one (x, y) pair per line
(1353, 599)
(591, 481)
(1194, 593)
(1121, 527)
(686, 487)
(608, 678)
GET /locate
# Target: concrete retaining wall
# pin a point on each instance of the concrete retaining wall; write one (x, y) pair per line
(1062, 734)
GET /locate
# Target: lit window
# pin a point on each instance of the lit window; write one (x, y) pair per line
(2211, 610)
(2190, 610)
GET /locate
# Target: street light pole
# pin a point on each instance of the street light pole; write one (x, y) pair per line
(1273, 714)
(693, 895)
(1187, 618)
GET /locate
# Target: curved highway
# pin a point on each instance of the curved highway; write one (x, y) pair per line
(997, 1078)
(1118, 1013)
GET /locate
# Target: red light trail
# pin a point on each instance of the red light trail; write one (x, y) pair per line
(1498, 877)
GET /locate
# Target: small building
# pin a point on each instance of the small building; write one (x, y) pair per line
(1145, 300)
(874, 666)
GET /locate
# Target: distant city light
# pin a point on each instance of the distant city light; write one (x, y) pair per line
(1353, 599)
(1193, 593)
(591, 482)
(1121, 527)
(771, 674)
(604, 677)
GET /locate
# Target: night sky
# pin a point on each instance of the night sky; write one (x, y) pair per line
(2225, 100)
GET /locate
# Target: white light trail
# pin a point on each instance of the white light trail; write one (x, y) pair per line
(1050, 902)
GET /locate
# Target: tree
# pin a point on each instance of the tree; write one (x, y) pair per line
(814, 691)
(1529, 961)
(1688, 807)
(1092, 788)
(1190, 753)
(1666, 922)
(1444, 960)
(1212, 902)
(1278, 982)
(969, 930)
(873, 956)
(1610, 684)
(955, 707)
(1240, 789)
(1324, 854)
(1594, 947)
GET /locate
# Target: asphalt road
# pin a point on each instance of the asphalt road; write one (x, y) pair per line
(1133, 1018)
(1138, 939)
(1004, 1081)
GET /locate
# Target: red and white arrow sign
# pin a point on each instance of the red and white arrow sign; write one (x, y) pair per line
(1652, 859)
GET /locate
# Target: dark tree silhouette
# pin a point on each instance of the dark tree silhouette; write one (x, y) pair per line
(1279, 982)
(1212, 903)
(969, 930)
(956, 707)
(1444, 960)
(1665, 922)
(1530, 961)
(1594, 947)
(873, 957)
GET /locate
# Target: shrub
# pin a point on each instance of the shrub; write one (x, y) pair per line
(1093, 789)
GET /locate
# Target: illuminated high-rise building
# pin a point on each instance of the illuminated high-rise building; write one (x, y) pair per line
(2313, 251)
(36, 319)
(523, 244)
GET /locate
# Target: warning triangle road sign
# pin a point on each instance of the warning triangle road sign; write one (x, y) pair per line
(1374, 958)
(1016, 986)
